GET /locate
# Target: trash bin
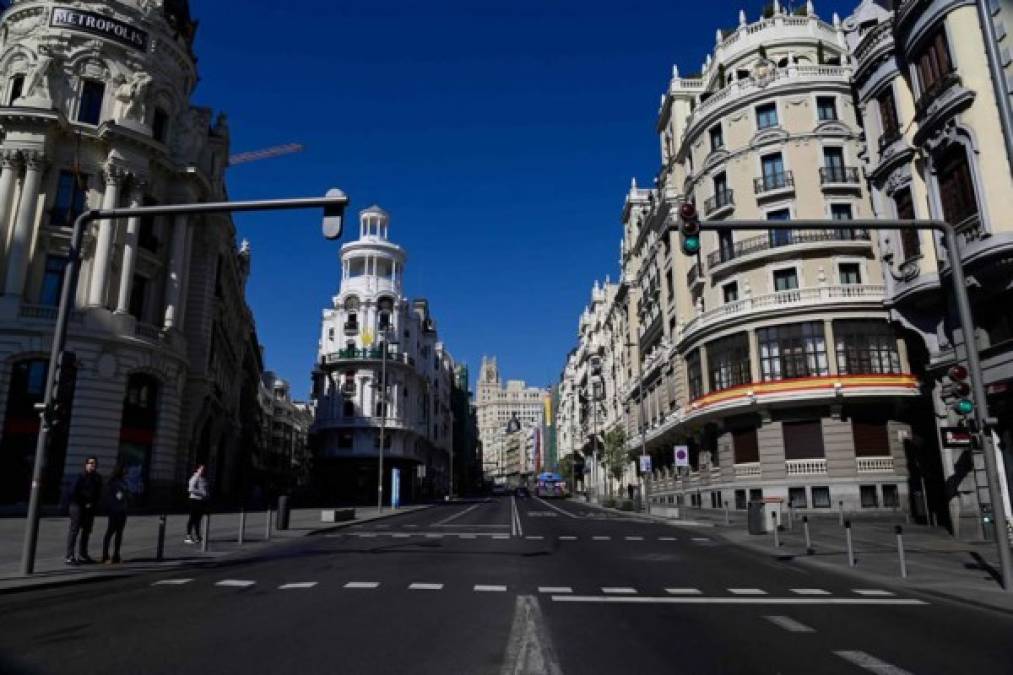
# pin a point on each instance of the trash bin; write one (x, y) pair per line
(757, 518)
(282, 522)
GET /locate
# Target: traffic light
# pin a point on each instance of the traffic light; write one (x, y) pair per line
(958, 388)
(63, 390)
(689, 228)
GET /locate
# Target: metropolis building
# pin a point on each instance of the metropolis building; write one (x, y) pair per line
(96, 113)
(373, 329)
(495, 406)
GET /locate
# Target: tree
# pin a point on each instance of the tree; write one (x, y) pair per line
(566, 471)
(615, 455)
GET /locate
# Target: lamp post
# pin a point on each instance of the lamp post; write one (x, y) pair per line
(643, 421)
(333, 204)
(382, 388)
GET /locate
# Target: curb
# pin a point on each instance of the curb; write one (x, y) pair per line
(675, 522)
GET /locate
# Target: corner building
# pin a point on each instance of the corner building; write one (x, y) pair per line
(96, 113)
(784, 374)
(371, 315)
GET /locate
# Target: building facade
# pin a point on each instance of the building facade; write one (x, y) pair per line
(96, 113)
(283, 461)
(495, 406)
(371, 331)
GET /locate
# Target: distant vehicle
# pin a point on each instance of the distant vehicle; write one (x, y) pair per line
(551, 485)
(499, 490)
(522, 491)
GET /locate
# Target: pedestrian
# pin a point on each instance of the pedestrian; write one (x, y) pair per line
(630, 489)
(198, 493)
(84, 498)
(115, 503)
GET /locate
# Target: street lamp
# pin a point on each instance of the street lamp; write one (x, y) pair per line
(333, 204)
(386, 331)
(643, 422)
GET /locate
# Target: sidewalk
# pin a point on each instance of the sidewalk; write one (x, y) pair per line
(140, 540)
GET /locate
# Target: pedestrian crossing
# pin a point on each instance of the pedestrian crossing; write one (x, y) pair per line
(499, 536)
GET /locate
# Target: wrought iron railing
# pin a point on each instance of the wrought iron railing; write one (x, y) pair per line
(720, 199)
(773, 181)
(838, 174)
(763, 242)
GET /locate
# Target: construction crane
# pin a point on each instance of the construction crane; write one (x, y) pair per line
(266, 153)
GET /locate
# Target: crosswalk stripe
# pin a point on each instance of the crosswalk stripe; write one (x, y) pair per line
(425, 587)
(490, 589)
(634, 538)
(601, 538)
(683, 591)
(235, 583)
(534, 536)
(298, 584)
(567, 537)
(746, 591)
(872, 592)
(362, 584)
(618, 590)
(789, 624)
(667, 539)
(555, 589)
(172, 582)
(870, 663)
(809, 591)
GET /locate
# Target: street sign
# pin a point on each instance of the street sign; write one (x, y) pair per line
(645, 464)
(956, 437)
(682, 455)
(395, 488)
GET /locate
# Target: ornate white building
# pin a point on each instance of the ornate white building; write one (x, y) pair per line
(496, 406)
(370, 315)
(96, 112)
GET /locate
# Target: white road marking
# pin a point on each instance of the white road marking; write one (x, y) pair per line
(872, 592)
(618, 590)
(529, 647)
(701, 538)
(467, 536)
(500, 536)
(534, 536)
(298, 584)
(809, 591)
(649, 600)
(366, 534)
(746, 591)
(871, 663)
(518, 530)
(567, 537)
(556, 508)
(362, 584)
(434, 535)
(490, 589)
(455, 516)
(401, 535)
(172, 582)
(411, 526)
(789, 624)
(555, 589)
(235, 583)
(634, 538)
(602, 538)
(683, 591)
(667, 539)
(425, 587)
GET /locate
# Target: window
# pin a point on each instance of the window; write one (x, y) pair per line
(826, 108)
(731, 292)
(146, 238)
(850, 273)
(345, 440)
(869, 496)
(797, 498)
(821, 497)
(910, 240)
(833, 170)
(956, 188)
(694, 374)
(728, 359)
(786, 279)
(933, 63)
(780, 236)
(891, 498)
(756, 494)
(90, 109)
(138, 295)
(717, 137)
(726, 245)
(866, 347)
(160, 125)
(802, 440)
(841, 212)
(70, 196)
(795, 350)
(740, 499)
(52, 281)
(888, 117)
(766, 116)
(17, 85)
(871, 436)
(721, 192)
(773, 171)
(745, 446)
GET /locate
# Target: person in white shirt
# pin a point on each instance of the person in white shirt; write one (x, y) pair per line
(198, 497)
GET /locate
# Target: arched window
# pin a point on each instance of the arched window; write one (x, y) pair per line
(137, 430)
(21, 427)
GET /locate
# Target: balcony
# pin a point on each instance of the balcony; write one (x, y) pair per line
(806, 467)
(934, 91)
(147, 331)
(695, 275)
(874, 464)
(783, 238)
(747, 470)
(372, 354)
(720, 204)
(831, 176)
(351, 328)
(774, 183)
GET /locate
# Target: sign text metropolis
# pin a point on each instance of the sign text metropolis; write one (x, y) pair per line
(99, 24)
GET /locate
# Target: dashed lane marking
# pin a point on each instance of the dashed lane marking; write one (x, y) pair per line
(172, 582)
(567, 537)
(297, 585)
(425, 587)
(467, 536)
(501, 536)
(366, 535)
(683, 591)
(411, 526)
(481, 588)
(534, 536)
(618, 590)
(667, 539)
(870, 663)
(434, 535)
(650, 600)
(634, 538)
(809, 591)
(602, 538)
(362, 584)
(872, 592)
(235, 583)
(555, 589)
(747, 591)
(401, 535)
(789, 624)
(701, 538)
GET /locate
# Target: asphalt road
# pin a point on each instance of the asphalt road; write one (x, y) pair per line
(502, 585)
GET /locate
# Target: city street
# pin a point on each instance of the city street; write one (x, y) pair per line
(502, 585)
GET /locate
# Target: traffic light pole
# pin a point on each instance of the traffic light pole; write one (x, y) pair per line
(333, 205)
(966, 321)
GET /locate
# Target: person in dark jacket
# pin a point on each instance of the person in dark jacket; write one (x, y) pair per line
(115, 503)
(197, 491)
(83, 502)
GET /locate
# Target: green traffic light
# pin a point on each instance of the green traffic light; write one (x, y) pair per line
(691, 245)
(963, 406)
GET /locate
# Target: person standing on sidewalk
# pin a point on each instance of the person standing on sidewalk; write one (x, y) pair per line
(83, 500)
(116, 511)
(198, 489)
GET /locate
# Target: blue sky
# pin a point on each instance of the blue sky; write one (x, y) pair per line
(501, 137)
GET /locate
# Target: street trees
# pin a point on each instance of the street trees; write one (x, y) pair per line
(615, 455)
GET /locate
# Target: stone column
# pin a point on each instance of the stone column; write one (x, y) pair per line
(102, 262)
(130, 251)
(11, 163)
(831, 346)
(17, 259)
(174, 281)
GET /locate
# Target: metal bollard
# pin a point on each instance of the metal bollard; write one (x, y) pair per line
(840, 514)
(851, 550)
(267, 525)
(900, 551)
(777, 539)
(242, 526)
(791, 519)
(160, 544)
(727, 521)
(809, 550)
(205, 542)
